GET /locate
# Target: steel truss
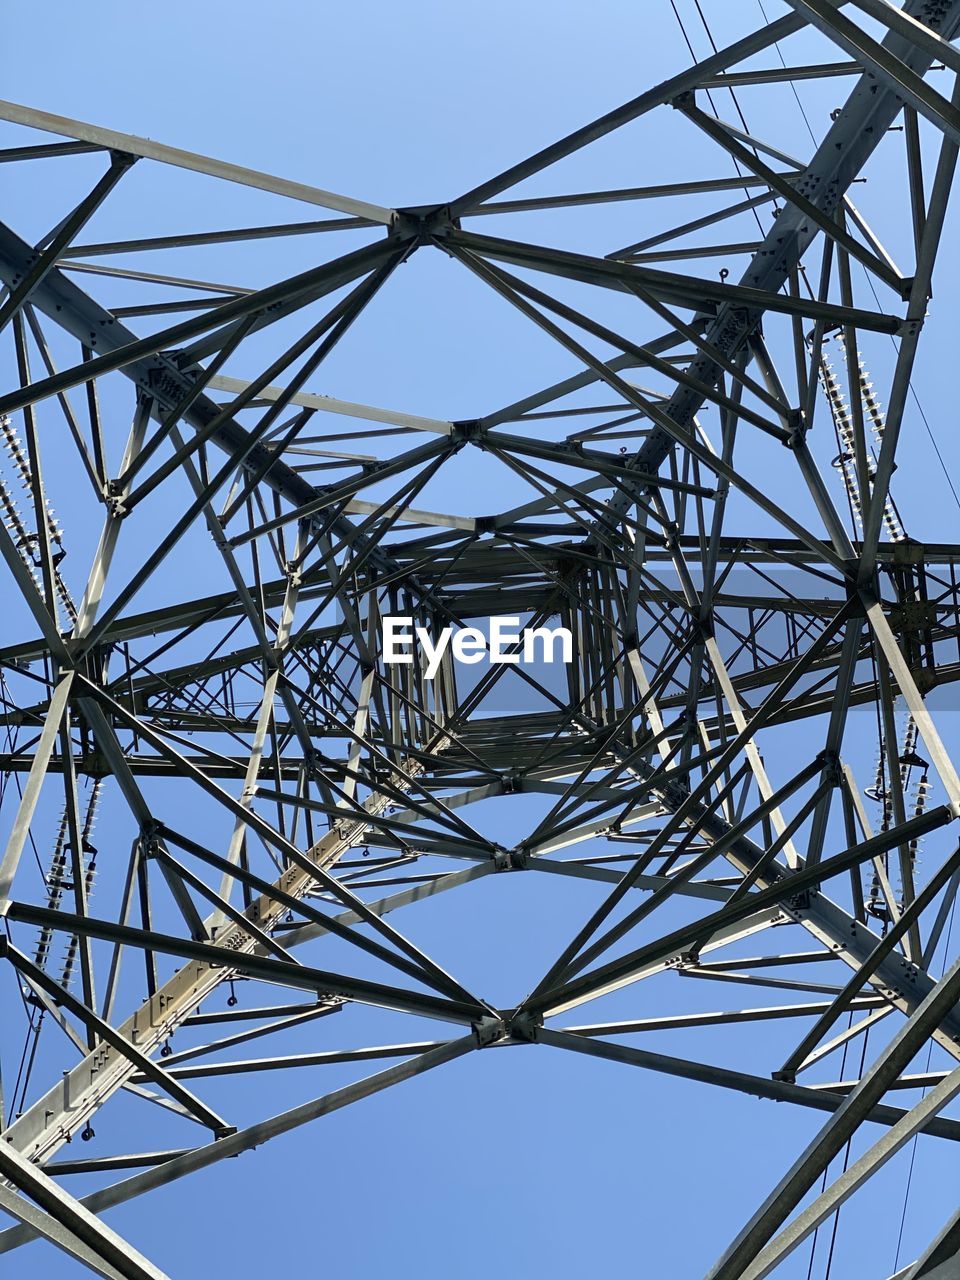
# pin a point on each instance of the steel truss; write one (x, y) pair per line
(699, 744)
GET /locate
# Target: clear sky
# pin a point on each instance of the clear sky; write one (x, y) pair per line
(528, 1162)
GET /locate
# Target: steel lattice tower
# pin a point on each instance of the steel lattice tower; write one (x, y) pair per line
(710, 512)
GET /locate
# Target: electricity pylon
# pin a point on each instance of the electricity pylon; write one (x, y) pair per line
(196, 763)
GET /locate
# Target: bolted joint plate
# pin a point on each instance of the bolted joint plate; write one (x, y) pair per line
(489, 1030)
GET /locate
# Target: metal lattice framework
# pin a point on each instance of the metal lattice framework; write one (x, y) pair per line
(709, 510)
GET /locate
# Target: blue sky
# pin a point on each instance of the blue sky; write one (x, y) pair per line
(530, 1161)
